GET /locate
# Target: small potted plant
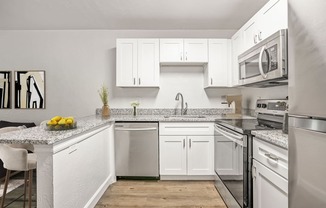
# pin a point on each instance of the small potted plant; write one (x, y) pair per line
(134, 105)
(104, 95)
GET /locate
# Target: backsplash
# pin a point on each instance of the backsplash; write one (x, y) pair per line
(167, 111)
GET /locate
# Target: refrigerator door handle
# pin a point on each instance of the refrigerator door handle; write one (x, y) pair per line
(307, 123)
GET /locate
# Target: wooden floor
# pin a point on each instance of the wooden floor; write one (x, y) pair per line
(161, 194)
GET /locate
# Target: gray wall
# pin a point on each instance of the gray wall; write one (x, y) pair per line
(78, 62)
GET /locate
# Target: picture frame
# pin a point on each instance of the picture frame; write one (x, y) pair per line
(5, 89)
(29, 90)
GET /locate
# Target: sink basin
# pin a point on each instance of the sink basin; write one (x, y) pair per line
(184, 116)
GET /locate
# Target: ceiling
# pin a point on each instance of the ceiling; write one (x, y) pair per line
(126, 14)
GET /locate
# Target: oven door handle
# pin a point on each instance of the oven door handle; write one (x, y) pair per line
(260, 63)
(237, 138)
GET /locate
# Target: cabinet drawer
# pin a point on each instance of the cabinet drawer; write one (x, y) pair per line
(186, 129)
(271, 156)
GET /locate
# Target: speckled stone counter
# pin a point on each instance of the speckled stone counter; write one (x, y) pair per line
(275, 137)
(38, 135)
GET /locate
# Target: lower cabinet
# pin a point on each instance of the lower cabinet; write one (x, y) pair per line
(228, 158)
(186, 154)
(269, 171)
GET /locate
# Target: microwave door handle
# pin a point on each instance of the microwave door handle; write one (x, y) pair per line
(261, 62)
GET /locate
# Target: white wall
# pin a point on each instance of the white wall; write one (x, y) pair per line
(78, 62)
(250, 95)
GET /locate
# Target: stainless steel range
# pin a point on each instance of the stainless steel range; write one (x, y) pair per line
(233, 151)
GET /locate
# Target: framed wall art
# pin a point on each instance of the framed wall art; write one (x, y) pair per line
(30, 89)
(5, 89)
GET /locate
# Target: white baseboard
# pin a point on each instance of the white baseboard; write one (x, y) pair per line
(185, 177)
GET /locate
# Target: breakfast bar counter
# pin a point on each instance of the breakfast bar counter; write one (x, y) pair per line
(74, 167)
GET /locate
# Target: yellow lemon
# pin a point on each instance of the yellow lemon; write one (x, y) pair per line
(62, 121)
(56, 118)
(69, 121)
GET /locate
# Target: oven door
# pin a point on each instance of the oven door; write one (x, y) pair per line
(231, 166)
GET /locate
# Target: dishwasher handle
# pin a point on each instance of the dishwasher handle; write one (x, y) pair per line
(136, 129)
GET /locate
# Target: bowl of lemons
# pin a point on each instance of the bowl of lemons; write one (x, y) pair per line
(58, 123)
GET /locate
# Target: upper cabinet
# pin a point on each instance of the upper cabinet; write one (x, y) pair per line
(176, 51)
(236, 49)
(271, 18)
(217, 71)
(137, 63)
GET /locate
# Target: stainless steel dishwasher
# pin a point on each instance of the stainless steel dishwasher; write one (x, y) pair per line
(136, 150)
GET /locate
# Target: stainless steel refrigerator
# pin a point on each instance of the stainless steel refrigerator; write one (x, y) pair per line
(307, 103)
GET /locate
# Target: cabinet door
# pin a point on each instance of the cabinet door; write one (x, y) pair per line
(126, 62)
(148, 62)
(200, 155)
(250, 37)
(218, 63)
(236, 51)
(270, 190)
(196, 50)
(227, 157)
(273, 18)
(171, 50)
(173, 155)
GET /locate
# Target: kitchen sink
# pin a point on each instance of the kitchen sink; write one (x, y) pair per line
(184, 116)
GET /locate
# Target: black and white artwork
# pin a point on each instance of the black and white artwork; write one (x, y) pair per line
(30, 89)
(5, 89)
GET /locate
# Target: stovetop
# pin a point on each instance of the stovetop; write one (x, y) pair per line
(245, 126)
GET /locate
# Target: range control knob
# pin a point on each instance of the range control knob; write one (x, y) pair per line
(258, 105)
(264, 106)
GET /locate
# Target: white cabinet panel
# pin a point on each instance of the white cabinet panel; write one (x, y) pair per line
(173, 155)
(200, 155)
(176, 51)
(137, 63)
(217, 72)
(237, 46)
(195, 50)
(250, 29)
(227, 158)
(148, 62)
(126, 62)
(270, 190)
(171, 50)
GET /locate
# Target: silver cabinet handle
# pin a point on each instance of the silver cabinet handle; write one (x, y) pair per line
(134, 81)
(271, 156)
(253, 171)
(189, 143)
(184, 143)
(259, 36)
(186, 56)
(139, 81)
(255, 39)
(136, 129)
(181, 56)
(211, 81)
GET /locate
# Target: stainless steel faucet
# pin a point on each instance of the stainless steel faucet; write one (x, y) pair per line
(183, 110)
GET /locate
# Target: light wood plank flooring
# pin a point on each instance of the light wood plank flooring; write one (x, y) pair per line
(126, 193)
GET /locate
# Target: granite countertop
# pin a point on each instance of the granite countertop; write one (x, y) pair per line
(173, 118)
(275, 137)
(38, 135)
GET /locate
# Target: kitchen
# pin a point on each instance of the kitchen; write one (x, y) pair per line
(78, 62)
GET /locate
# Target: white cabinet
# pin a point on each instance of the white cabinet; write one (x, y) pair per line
(74, 164)
(217, 71)
(228, 158)
(270, 175)
(174, 51)
(237, 45)
(271, 18)
(184, 152)
(137, 63)
(173, 155)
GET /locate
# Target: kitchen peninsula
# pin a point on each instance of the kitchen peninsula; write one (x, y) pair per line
(74, 167)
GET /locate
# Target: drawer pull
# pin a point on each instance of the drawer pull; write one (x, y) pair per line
(271, 156)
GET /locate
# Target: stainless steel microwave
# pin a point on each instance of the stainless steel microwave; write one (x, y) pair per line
(265, 64)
